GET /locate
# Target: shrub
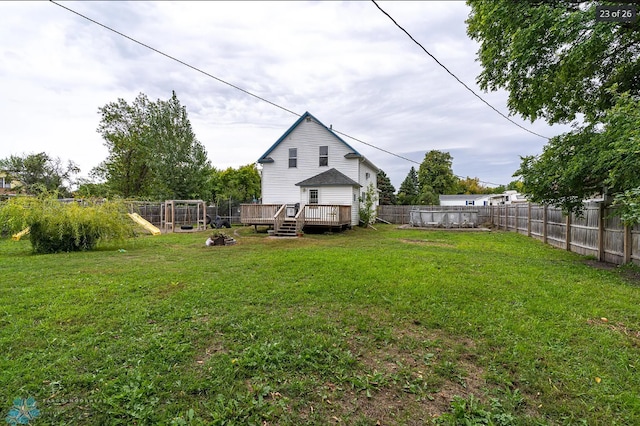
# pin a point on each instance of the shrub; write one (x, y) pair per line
(367, 206)
(57, 226)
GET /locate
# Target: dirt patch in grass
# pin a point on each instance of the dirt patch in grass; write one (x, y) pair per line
(434, 243)
(414, 376)
(168, 289)
(631, 273)
(214, 347)
(385, 407)
(618, 327)
(600, 265)
(452, 229)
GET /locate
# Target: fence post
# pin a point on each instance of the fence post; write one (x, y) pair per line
(627, 244)
(544, 224)
(506, 217)
(528, 219)
(601, 233)
(568, 233)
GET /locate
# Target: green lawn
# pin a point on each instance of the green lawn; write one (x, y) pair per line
(396, 326)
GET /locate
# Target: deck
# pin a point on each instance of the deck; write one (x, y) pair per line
(282, 216)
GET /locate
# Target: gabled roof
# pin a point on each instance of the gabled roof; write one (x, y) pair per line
(331, 177)
(266, 159)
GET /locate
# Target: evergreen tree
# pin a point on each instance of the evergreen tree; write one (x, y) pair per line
(386, 189)
(408, 192)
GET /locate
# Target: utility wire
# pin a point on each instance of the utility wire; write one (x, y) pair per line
(217, 78)
(400, 156)
(453, 75)
(177, 60)
(233, 85)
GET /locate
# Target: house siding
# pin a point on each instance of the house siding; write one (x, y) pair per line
(278, 180)
(464, 200)
(355, 206)
(340, 195)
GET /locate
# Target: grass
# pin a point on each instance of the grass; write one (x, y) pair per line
(391, 326)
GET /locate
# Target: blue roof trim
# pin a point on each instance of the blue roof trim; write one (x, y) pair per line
(296, 124)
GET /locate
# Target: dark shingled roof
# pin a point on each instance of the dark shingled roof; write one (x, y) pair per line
(331, 177)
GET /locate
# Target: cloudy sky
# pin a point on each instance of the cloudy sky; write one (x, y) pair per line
(344, 62)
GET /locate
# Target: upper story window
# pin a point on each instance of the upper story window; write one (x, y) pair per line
(293, 157)
(367, 175)
(324, 156)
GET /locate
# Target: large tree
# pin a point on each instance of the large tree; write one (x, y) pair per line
(553, 58)
(38, 173)
(593, 159)
(408, 191)
(558, 63)
(435, 177)
(386, 189)
(471, 185)
(242, 185)
(153, 151)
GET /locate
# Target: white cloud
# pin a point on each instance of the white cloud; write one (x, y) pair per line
(345, 62)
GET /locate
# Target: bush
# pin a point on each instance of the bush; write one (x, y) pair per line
(46, 236)
(56, 226)
(367, 206)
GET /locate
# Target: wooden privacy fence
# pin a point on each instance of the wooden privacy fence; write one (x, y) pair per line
(599, 232)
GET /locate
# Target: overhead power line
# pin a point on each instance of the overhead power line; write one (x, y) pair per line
(454, 76)
(173, 58)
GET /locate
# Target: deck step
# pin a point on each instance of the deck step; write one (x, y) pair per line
(287, 229)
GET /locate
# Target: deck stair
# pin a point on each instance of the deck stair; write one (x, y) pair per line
(287, 229)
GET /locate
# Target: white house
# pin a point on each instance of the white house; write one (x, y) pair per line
(7, 185)
(311, 175)
(465, 200)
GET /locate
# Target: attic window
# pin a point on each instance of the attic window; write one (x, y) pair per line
(367, 175)
(293, 157)
(324, 156)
